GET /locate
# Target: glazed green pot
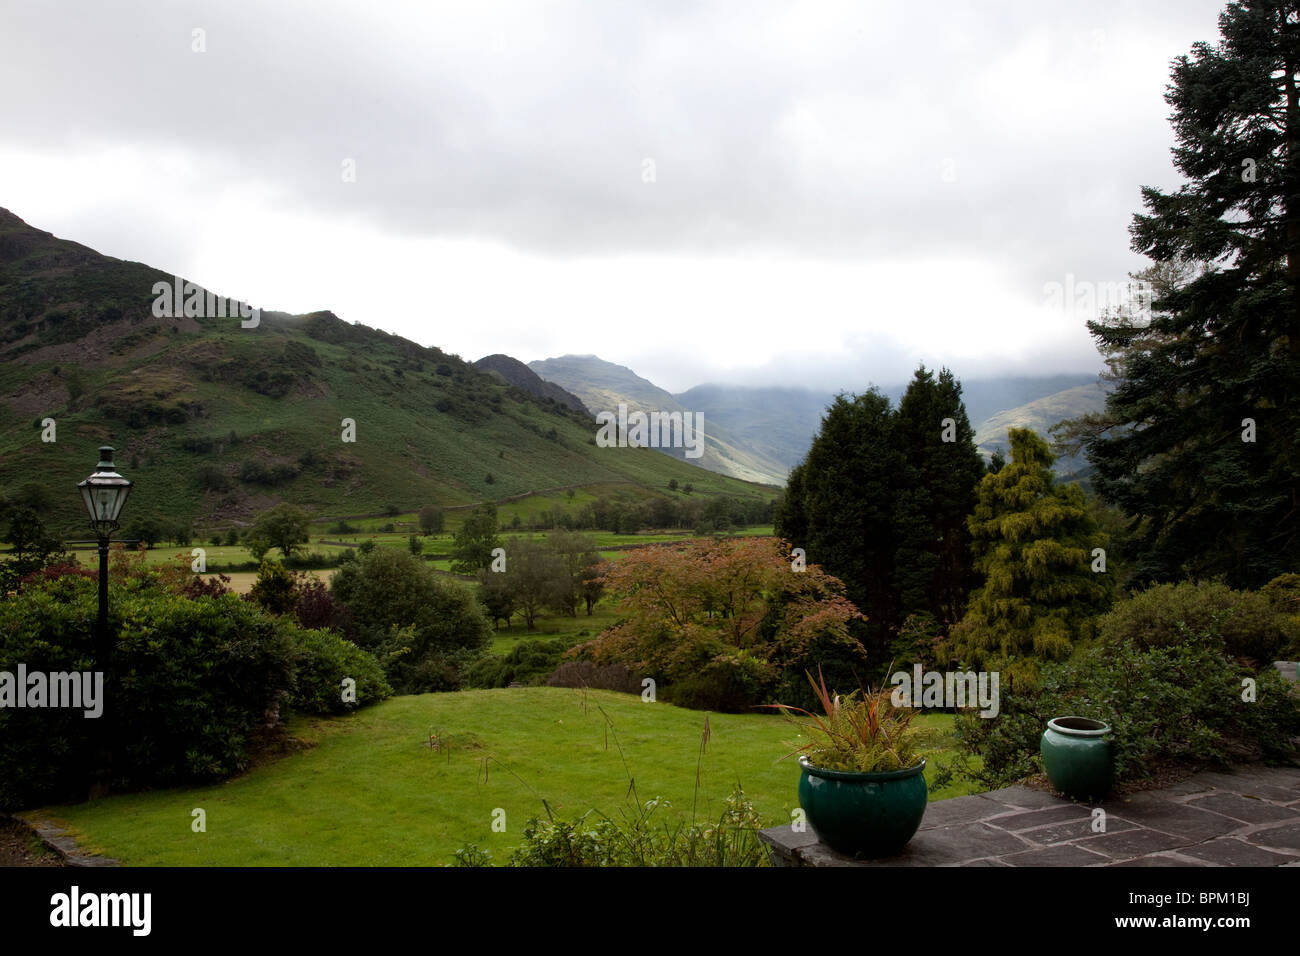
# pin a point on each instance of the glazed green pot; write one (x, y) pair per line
(1078, 757)
(863, 814)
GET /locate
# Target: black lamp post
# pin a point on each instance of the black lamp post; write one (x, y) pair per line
(104, 492)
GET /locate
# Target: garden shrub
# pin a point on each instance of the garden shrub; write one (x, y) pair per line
(920, 640)
(800, 650)
(729, 683)
(423, 628)
(416, 667)
(195, 679)
(1283, 593)
(316, 607)
(1181, 702)
(322, 660)
(1168, 614)
(275, 589)
(305, 597)
(528, 662)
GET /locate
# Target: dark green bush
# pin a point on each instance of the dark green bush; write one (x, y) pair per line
(1169, 614)
(423, 628)
(196, 677)
(415, 667)
(1177, 703)
(275, 589)
(528, 662)
(1283, 593)
(732, 682)
(322, 660)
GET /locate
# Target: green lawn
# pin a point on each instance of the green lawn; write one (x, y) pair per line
(371, 791)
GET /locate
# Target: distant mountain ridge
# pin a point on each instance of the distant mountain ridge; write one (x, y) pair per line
(516, 373)
(603, 386)
(776, 425)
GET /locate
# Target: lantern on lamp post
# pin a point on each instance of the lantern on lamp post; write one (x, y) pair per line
(104, 493)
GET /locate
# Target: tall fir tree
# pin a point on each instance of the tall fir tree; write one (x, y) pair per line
(1200, 440)
(932, 567)
(881, 502)
(839, 507)
(1033, 541)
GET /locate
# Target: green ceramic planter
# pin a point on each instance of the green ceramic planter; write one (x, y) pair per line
(863, 814)
(1078, 757)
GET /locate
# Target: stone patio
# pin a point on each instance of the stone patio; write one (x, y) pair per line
(1250, 817)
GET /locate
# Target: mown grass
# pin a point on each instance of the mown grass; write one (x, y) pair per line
(371, 790)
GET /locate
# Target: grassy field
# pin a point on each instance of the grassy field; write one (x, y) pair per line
(218, 556)
(371, 790)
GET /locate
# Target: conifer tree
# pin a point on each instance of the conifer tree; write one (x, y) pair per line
(881, 502)
(1200, 441)
(839, 506)
(1033, 541)
(942, 466)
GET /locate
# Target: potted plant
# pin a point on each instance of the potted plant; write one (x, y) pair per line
(861, 784)
(1078, 757)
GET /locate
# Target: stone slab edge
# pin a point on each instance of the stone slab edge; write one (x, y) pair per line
(59, 841)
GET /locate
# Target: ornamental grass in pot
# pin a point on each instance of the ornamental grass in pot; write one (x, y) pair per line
(861, 783)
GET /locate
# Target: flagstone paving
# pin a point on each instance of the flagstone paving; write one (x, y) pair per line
(1249, 817)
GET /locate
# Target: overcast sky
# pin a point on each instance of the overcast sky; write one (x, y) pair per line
(818, 194)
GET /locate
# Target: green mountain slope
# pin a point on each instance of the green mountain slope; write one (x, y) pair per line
(214, 422)
(1040, 415)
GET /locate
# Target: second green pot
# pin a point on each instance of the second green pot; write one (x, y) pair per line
(1078, 757)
